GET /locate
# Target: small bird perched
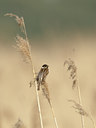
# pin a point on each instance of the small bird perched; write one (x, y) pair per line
(42, 75)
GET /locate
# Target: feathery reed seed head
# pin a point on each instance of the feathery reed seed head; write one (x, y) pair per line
(73, 71)
(79, 108)
(18, 19)
(19, 124)
(23, 47)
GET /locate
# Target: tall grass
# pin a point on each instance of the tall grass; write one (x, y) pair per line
(24, 48)
(71, 67)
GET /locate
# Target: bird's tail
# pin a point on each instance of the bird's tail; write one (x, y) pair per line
(38, 86)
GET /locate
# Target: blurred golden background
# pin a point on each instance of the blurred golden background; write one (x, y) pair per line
(57, 30)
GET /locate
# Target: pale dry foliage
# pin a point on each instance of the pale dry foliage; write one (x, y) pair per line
(19, 20)
(45, 91)
(24, 48)
(73, 75)
(19, 124)
(73, 71)
(79, 108)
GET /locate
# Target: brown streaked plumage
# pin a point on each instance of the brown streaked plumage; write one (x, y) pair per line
(42, 75)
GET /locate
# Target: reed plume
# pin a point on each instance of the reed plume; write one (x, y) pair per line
(20, 22)
(79, 109)
(73, 71)
(45, 91)
(24, 48)
(71, 67)
(19, 124)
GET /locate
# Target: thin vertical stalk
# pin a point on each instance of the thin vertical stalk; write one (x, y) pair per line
(80, 102)
(34, 76)
(24, 29)
(37, 95)
(91, 118)
(54, 117)
(39, 108)
(73, 75)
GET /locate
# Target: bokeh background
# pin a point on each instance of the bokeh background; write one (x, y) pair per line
(48, 18)
(57, 30)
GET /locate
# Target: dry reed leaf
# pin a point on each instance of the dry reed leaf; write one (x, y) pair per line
(73, 71)
(19, 124)
(23, 47)
(79, 108)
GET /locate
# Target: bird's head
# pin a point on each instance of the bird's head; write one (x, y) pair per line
(45, 66)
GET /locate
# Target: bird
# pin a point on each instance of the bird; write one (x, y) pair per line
(41, 77)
